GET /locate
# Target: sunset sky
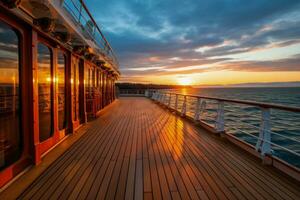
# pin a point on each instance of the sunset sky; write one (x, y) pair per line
(203, 42)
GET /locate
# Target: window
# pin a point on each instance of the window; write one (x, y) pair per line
(61, 68)
(10, 112)
(45, 91)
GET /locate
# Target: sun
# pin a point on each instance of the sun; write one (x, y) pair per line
(184, 81)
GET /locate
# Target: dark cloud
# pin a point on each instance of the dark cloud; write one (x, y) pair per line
(141, 29)
(288, 64)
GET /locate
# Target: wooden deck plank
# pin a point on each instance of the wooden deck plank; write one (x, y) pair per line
(237, 175)
(140, 150)
(187, 191)
(93, 154)
(241, 168)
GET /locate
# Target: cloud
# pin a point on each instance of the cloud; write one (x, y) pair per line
(288, 64)
(198, 32)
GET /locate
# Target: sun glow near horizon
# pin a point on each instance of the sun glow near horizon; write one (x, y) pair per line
(216, 78)
(184, 81)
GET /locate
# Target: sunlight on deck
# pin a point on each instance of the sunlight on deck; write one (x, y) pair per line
(138, 150)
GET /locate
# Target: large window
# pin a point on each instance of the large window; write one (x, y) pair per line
(10, 112)
(61, 68)
(45, 91)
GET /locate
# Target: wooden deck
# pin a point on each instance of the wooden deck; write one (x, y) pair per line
(138, 150)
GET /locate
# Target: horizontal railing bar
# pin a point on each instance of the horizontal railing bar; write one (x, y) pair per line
(276, 145)
(259, 129)
(253, 103)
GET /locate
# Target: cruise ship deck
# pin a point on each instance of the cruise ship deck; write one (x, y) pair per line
(137, 149)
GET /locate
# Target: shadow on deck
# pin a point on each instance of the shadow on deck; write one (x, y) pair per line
(136, 149)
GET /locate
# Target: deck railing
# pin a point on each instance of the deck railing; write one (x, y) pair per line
(271, 129)
(83, 17)
(131, 92)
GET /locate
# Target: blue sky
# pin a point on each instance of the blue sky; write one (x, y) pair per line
(162, 41)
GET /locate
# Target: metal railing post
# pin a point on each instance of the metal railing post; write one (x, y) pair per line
(160, 97)
(202, 109)
(264, 142)
(164, 98)
(176, 102)
(183, 110)
(197, 111)
(170, 97)
(146, 93)
(219, 125)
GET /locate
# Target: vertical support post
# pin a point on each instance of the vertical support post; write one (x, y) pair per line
(183, 110)
(163, 98)
(170, 97)
(220, 117)
(176, 102)
(155, 95)
(146, 93)
(197, 111)
(202, 109)
(264, 142)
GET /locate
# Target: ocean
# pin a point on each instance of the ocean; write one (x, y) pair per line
(243, 121)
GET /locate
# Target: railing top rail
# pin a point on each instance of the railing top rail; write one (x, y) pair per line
(107, 47)
(96, 25)
(252, 103)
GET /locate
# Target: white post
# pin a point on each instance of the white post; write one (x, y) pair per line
(202, 109)
(263, 143)
(176, 102)
(197, 111)
(220, 117)
(170, 97)
(163, 98)
(183, 110)
(146, 93)
(159, 97)
(154, 95)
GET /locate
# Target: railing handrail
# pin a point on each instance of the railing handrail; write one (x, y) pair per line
(96, 25)
(245, 102)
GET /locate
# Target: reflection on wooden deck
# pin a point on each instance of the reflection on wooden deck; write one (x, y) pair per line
(139, 150)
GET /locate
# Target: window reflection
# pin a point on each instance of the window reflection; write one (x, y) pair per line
(44, 92)
(61, 66)
(10, 137)
(75, 88)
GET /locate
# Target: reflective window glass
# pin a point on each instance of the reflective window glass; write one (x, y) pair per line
(10, 114)
(61, 67)
(44, 92)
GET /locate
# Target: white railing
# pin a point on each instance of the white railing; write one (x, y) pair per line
(271, 129)
(84, 18)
